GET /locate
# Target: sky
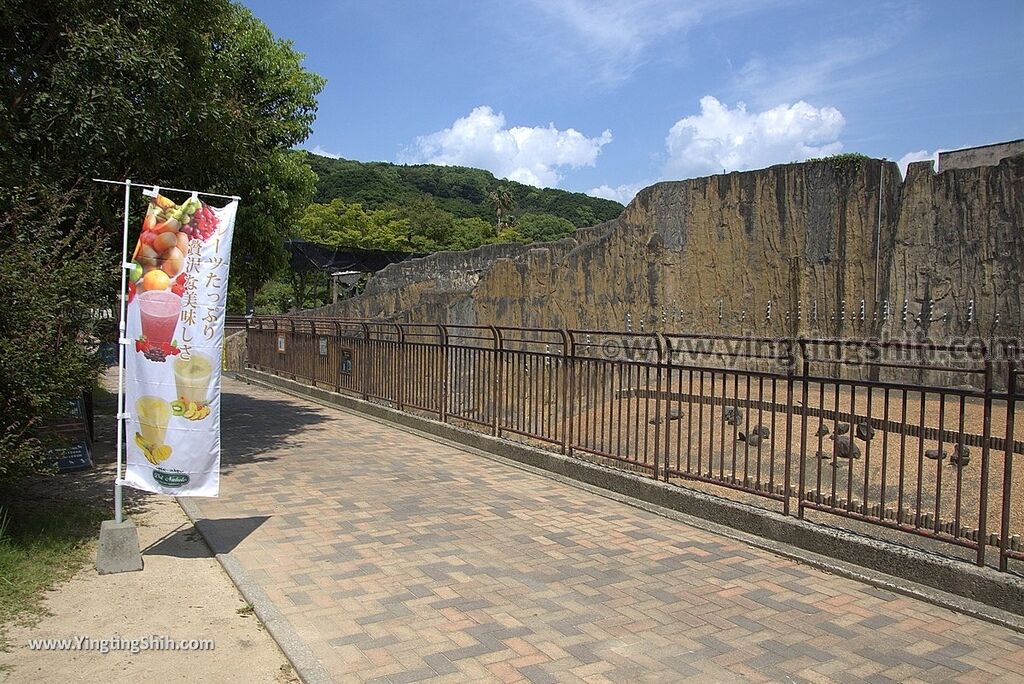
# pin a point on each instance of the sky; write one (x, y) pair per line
(609, 96)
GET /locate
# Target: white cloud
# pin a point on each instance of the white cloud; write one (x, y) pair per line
(920, 155)
(734, 139)
(623, 194)
(615, 37)
(533, 155)
(324, 153)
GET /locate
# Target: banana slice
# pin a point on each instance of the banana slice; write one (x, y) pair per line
(162, 453)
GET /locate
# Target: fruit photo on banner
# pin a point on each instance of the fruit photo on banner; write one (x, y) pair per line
(158, 274)
(176, 296)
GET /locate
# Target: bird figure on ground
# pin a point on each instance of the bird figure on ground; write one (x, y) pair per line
(755, 436)
(865, 431)
(822, 430)
(732, 415)
(672, 414)
(961, 456)
(845, 447)
(935, 454)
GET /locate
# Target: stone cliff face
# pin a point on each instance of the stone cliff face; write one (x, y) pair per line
(789, 249)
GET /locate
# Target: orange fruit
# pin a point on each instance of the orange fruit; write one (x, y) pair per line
(156, 280)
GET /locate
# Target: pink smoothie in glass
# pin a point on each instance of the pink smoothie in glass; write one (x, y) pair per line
(159, 310)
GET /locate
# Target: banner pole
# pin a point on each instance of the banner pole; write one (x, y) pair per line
(121, 342)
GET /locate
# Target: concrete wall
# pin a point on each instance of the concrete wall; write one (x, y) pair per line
(984, 155)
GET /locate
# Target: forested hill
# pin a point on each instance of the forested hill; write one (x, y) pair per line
(459, 190)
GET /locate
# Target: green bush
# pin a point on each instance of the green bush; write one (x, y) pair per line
(55, 274)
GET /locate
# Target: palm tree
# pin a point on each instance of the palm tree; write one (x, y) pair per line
(502, 201)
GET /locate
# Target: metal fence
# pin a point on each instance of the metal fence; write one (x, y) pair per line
(916, 439)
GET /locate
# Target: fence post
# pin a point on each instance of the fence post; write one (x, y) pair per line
(570, 396)
(1011, 400)
(658, 372)
(805, 375)
(442, 404)
(364, 371)
(337, 357)
(564, 382)
(668, 410)
(314, 353)
(986, 427)
(276, 366)
(400, 366)
(788, 456)
(495, 382)
(291, 345)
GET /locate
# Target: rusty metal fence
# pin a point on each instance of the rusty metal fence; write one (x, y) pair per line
(914, 439)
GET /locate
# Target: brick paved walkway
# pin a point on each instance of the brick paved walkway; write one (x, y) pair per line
(400, 559)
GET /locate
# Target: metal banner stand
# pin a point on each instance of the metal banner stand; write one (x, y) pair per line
(118, 549)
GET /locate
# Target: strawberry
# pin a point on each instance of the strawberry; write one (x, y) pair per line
(131, 291)
(178, 287)
(168, 349)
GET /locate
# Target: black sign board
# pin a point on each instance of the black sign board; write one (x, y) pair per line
(74, 449)
(75, 456)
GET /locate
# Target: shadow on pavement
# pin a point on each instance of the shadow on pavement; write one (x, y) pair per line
(252, 428)
(222, 535)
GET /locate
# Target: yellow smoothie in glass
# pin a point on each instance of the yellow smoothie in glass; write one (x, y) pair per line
(153, 414)
(192, 377)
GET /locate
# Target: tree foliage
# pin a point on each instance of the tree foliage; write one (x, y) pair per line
(462, 192)
(348, 225)
(544, 227)
(49, 295)
(265, 220)
(182, 93)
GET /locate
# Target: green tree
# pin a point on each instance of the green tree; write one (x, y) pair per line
(343, 225)
(266, 217)
(339, 224)
(189, 93)
(430, 227)
(544, 227)
(468, 233)
(50, 287)
(503, 202)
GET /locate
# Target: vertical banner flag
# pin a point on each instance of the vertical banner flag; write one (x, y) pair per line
(177, 296)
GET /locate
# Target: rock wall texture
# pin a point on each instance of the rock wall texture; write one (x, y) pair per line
(835, 247)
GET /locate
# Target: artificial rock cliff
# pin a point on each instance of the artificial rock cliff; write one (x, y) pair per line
(835, 247)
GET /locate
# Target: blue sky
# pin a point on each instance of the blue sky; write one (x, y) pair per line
(606, 97)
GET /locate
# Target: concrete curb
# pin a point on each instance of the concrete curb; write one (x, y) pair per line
(982, 593)
(305, 664)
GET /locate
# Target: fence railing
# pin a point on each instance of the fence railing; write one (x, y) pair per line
(919, 439)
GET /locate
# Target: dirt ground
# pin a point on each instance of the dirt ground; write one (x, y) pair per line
(611, 419)
(182, 593)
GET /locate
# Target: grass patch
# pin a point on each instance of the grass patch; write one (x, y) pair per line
(40, 547)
